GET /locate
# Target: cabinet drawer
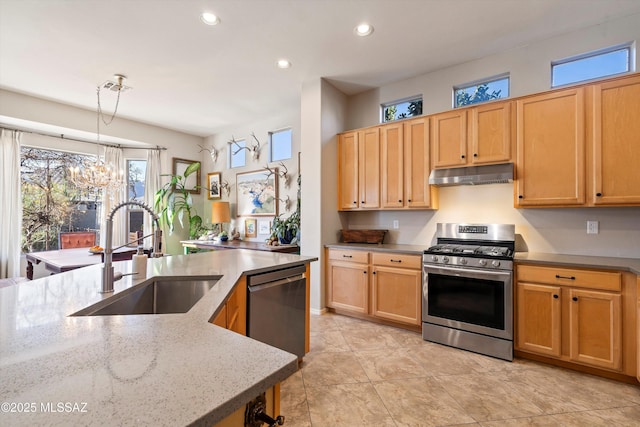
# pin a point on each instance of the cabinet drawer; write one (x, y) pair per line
(590, 279)
(397, 260)
(349, 255)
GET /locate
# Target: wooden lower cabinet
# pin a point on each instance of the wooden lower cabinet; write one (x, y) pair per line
(233, 315)
(375, 284)
(577, 316)
(237, 418)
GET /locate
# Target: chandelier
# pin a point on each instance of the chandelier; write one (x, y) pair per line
(97, 175)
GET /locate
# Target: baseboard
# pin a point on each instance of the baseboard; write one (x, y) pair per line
(317, 312)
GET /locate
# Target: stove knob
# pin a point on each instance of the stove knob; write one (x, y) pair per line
(463, 261)
(445, 259)
(434, 258)
(482, 262)
(495, 263)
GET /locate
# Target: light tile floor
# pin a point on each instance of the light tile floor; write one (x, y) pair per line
(361, 373)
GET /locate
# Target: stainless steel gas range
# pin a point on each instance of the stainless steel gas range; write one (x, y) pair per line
(467, 288)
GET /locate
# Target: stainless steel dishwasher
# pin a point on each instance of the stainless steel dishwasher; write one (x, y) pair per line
(276, 308)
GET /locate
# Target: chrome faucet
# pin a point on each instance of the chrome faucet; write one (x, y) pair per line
(108, 275)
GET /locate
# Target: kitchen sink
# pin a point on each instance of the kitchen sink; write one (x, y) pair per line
(156, 297)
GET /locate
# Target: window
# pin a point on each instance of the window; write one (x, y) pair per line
(280, 144)
(591, 65)
(237, 154)
(481, 91)
(401, 109)
(136, 171)
(51, 203)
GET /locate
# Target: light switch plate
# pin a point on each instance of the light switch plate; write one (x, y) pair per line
(592, 227)
(396, 224)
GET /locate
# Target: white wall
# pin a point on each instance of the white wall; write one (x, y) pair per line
(542, 230)
(261, 129)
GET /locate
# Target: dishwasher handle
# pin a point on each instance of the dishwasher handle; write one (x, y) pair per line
(286, 280)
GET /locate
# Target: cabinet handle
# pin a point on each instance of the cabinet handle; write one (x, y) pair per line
(409, 200)
(364, 272)
(355, 203)
(598, 194)
(362, 202)
(347, 256)
(555, 296)
(399, 201)
(395, 260)
(475, 154)
(565, 277)
(373, 272)
(575, 298)
(462, 157)
(521, 197)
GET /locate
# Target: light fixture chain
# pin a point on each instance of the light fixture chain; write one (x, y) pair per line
(115, 111)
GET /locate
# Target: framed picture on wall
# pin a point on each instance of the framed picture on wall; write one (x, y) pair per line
(213, 184)
(250, 228)
(192, 182)
(257, 193)
(264, 227)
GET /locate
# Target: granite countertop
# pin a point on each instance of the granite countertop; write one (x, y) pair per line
(603, 262)
(167, 369)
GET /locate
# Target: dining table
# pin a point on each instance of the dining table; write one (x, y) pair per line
(62, 260)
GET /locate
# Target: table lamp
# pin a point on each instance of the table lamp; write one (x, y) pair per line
(220, 213)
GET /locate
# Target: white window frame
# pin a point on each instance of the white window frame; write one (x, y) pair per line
(398, 102)
(479, 82)
(271, 143)
(630, 47)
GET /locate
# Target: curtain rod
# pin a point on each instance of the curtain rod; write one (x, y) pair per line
(62, 136)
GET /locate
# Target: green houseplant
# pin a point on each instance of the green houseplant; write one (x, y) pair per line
(173, 201)
(287, 230)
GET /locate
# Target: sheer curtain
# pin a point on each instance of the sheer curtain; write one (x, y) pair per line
(10, 204)
(152, 184)
(113, 156)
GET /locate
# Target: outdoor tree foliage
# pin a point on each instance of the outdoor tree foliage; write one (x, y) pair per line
(481, 94)
(413, 108)
(49, 199)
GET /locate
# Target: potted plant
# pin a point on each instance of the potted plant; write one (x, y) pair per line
(173, 201)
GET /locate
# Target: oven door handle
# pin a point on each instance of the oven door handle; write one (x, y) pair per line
(468, 272)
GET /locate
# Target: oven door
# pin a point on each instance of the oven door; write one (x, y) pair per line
(479, 301)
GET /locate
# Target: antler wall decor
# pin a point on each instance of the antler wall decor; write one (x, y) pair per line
(253, 149)
(224, 186)
(212, 152)
(284, 174)
(287, 203)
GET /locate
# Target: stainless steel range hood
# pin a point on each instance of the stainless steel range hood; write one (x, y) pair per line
(472, 175)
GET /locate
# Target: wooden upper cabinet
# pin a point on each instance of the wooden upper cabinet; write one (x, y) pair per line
(369, 168)
(392, 165)
(348, 171)
(616, 142)
(551, 149)
(417, 191)
(359, 170)
(449, 139)
(490, 138)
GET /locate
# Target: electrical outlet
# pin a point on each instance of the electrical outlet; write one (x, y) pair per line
(592, 227)
(396, 224)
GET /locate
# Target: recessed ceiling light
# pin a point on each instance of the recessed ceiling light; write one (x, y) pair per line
(209, 18)
(283, 63)
(363, 30)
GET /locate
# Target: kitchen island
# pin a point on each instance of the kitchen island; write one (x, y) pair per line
(164, 369)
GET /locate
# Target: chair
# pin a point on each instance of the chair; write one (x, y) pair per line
(76, 239)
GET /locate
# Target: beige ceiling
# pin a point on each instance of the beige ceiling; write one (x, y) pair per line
(198, 79)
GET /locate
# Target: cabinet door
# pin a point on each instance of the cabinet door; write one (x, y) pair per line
(594, 328)
(396, 294)
(348, 286)
(348, 171)
(391, 165)
(551, 149)
(369, 168)
(417, 191)
(490, 133)
(236, 308)
(449, 141)
(538, 328)
(616, 142)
